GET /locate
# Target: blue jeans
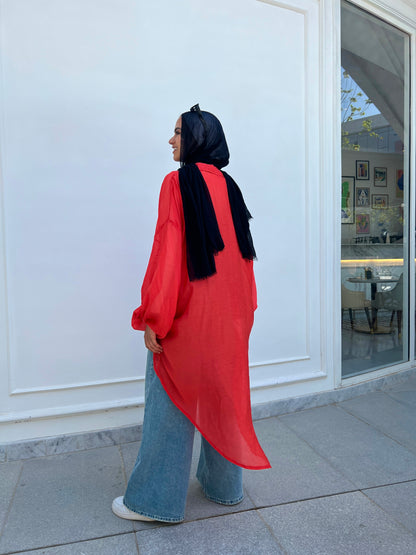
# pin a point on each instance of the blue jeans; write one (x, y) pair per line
(158, 485)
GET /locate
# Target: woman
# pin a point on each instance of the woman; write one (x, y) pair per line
(198, 302)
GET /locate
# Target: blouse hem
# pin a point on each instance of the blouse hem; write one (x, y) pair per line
(247, 467)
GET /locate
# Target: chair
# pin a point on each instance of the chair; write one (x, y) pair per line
(391, 300)
(354, 300)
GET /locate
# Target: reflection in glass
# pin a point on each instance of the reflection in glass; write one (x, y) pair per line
(374, 192)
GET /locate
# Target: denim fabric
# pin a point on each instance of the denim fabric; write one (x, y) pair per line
(221, 480)
(158, 485)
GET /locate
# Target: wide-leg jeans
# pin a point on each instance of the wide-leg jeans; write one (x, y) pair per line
(158, 485)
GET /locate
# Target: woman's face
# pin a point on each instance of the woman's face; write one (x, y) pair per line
(175, 141)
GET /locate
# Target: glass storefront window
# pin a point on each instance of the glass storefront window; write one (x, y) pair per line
(374, 192)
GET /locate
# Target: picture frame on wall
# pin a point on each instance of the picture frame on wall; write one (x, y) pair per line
(380, 177)
(362, 223)
(347, 199)
(362, 169)
(379, 202)
(362, 197)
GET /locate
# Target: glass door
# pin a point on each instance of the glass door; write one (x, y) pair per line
(375, 84)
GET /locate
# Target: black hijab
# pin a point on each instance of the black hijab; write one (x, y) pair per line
(203, 140)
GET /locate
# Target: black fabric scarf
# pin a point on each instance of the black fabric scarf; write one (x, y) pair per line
(203, 140)
(203, 237)
(241, 217)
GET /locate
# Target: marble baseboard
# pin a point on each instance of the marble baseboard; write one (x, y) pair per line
(79, 442)
(69, 443)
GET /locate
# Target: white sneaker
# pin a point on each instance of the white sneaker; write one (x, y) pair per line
(120, 509)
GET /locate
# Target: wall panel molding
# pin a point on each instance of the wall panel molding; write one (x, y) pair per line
(279, 361)
(256, 384)
(4, 306)
(97, 383)
(299, 6)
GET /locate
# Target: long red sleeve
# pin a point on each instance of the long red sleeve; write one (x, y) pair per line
(162, 280)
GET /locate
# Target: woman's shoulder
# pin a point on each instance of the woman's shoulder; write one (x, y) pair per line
(170, 194)
(170, 182)
(172, 176)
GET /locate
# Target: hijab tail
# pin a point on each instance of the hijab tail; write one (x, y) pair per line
(203, 237)
(241, 217)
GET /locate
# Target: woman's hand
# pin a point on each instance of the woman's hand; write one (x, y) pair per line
(151, 342)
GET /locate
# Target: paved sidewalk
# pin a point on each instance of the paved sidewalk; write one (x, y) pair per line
(343, 481)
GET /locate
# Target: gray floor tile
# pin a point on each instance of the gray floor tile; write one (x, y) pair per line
(396, 420)
(398, 501)
(65, 498)
(124, 544)
(9, 475)
(341, 525)
(363, 454)
(407, 385)
(2, 453)
(297, 471)
(129, 453)
(407, 397)
(242, 534)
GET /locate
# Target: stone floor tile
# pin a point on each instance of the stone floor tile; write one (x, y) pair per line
(297, 471)
(129, 453)
(9, 475)
(123, 544)
(407, 385)
(236, 534)
(363, 454)
(341, 524)
(2, 453)
(408, 397)
(395, 419)
(65, 498)
(399, 501)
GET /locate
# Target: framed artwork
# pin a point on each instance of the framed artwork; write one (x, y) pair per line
(362, 223)
(362, 169)
(362, 197)
(380, 177)
(347, 200)
(399, 183)
(379, 201)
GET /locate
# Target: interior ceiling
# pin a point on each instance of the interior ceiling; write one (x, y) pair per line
(373, 53)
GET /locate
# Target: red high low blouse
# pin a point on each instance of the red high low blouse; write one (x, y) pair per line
(203, 326)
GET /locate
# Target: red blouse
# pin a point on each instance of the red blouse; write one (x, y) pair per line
(203, 326)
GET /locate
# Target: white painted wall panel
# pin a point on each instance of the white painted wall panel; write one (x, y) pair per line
(91, 91)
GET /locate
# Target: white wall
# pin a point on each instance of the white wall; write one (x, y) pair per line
(90, 93)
